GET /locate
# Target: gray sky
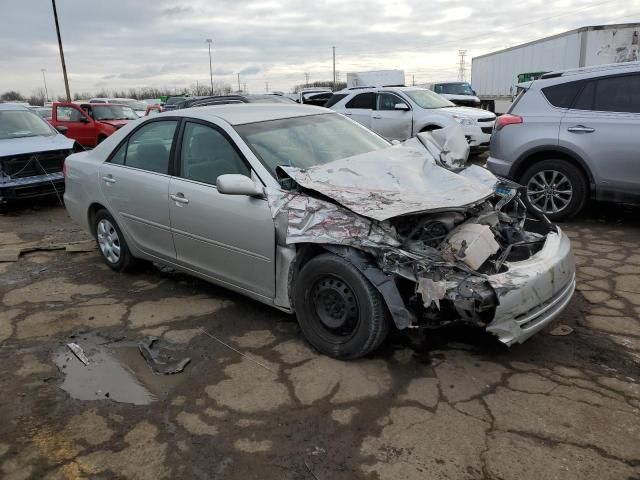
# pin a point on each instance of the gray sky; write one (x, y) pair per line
(122, 44)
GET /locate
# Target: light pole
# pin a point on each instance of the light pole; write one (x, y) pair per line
(46, 93)
(334, 68)
(64, 67)
(210, 41)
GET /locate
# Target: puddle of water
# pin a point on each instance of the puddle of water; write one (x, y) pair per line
(115, 372)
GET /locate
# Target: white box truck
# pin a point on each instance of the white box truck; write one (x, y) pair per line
(376, 78)
(494, 76)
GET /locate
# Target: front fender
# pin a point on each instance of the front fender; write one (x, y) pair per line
(384, 283)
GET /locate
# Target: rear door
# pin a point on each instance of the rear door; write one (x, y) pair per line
(135, 182)
(360, 108)
(79, 126)
(602, 127)
(227, 237)
(388, 122)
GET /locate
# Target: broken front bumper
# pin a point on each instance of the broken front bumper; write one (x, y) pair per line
(533, 291)
(33, 186)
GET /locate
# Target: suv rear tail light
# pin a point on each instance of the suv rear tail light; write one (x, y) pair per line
(507, 119)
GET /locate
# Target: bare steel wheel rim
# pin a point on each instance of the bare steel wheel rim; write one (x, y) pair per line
(549, 191)
(335, 307)
(108, 240)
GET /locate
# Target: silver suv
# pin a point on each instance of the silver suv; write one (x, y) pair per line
(399, 113)
(571, 136)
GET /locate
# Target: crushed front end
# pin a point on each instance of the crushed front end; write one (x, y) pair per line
(443, 242)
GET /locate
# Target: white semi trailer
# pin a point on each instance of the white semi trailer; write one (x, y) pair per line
(494, 76)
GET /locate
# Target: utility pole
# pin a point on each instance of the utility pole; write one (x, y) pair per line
(64, 66)
(462, 66)
(306, 75)
(210, 41)
(44, 79)
(239, 90)
(413, 79)
(244, 87)
(334, 67)
(266, 86)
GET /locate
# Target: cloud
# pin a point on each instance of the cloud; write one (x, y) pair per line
(250, 70)
(160, 43)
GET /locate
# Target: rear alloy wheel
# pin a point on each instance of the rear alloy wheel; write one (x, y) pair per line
(340, 313)
(111, 242)
(555, 188)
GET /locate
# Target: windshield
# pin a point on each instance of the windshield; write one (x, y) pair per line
(428, 99)
(134, 104)
(174, 100)
(303, 142)
(462, 88)
(22, 123)
(44, 112)
(113, 112)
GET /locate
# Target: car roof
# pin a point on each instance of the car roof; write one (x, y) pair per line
(239, 114)
(596, 69)
(12, 106)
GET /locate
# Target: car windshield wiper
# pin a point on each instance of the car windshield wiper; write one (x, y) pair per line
(24, 135)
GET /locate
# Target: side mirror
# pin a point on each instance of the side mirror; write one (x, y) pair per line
(401, 106)
(84, 119)
(62, 129)
(236, 184)
(395, 142)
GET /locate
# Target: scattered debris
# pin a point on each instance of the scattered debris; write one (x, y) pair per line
(78, 352)
(159, 362)
(561, 331)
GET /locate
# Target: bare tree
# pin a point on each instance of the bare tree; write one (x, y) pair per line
(12, 96)
(321, 83)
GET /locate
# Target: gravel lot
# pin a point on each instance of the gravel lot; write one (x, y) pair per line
(256, 402)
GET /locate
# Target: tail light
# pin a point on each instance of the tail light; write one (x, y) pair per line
(507, 119)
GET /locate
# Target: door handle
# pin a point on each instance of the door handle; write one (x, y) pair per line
(179, 198)
(377, 116)
(348, 114)
(581, 129)
(109, 179)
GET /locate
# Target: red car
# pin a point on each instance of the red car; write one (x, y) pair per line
(90, 123)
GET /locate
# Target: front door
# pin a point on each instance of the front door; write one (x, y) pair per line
(228, 237)
(135, 182)
(79, 126)
(389, 122)
(601, 128)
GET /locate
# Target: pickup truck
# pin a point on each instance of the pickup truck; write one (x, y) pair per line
(87, 123)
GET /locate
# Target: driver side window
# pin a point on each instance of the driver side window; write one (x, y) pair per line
(387, 101)
(68, 114)
(206, 154)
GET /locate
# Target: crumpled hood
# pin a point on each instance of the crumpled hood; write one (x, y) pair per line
(18, 146)
(400, 180)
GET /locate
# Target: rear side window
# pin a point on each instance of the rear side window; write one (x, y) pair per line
(618, 94)
(335, 98)
(585, 99)
(363, 100)
(148, 148)
(562, 95)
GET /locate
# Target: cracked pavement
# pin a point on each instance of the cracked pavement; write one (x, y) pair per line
(256, 402)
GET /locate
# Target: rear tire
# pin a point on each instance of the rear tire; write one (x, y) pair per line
(111, 243)
(556, 188)
(340, 313)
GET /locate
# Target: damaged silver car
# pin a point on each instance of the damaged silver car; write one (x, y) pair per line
(307, 211)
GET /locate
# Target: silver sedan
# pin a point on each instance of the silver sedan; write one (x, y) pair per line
(309, 212)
